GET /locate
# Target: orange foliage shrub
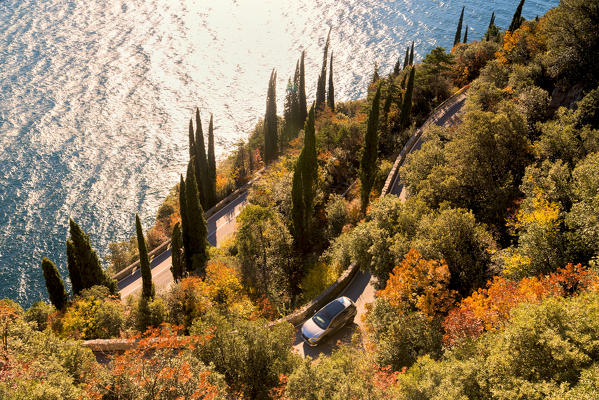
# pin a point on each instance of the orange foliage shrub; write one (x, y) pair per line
(488, 309)
(419, 284)
(523, 44)
(158, 366)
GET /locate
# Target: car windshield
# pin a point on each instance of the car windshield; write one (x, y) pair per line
(323, 317)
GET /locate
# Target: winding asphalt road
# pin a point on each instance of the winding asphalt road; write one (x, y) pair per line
(223, 224)
(361, 288)
(220, 226)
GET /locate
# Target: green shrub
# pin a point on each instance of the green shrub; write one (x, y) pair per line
(38, 314)
(320, 276)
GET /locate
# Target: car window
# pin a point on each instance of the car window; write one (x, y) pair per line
(321, 321)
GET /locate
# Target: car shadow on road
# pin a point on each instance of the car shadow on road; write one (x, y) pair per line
(341, 337)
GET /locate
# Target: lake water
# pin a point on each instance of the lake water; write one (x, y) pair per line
(95, 97)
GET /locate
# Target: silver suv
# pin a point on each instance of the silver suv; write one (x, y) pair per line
(328, 319)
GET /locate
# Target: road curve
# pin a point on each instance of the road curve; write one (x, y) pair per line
(220, 226)
(361, 288)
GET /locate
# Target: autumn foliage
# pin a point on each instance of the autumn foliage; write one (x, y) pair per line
(160, 366)
(419, 285)
(488, 309)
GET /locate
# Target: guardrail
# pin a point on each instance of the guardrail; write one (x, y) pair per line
(130, 270)
(434, 117)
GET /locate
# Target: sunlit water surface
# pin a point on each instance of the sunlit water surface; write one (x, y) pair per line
(95, 96)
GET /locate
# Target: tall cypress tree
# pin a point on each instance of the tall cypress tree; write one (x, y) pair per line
(211, 165)
(387, 141)
(492, 29)
(322, 78)
(201, 162)
(239, 165)
(406, 106)
(303, 108)
(295, 101)
(54, 284)
(375, 74)
(197, 246)
(517, 18)
(466, 35)
(458, 32)
(73, 268)
(406, 60)
(147, 291)
(369, 152)
(184, 220)
(331, 92)
(86, 260)
(270, 121)
(412, 54)
(303, 186)
(178, 262)
(397, 67)
(290, 111)
(192, 145)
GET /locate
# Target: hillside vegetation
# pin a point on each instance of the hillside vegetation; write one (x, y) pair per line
(487, 274)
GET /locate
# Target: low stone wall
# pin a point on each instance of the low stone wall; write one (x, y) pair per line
(330, 293)
(130, 270)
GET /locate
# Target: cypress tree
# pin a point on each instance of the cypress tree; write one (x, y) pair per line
(298, 209)
(239, 165)
(322, 78)
(86, 261)
(303, 108)
(295, 101)
(369, 152)
(397, 67)
(406, 60)
(201, 163)
(331, 93)
(466, 35)
(517, 18)
(54, 284)
(404, 80)
(302, 191)
(458, 32)
(73, 268)
(412, 54)
(270, 121)
(192, 145)
(290, 111)
(386, 140)
(178, 262)
(375, 74)
(389, 99)
(211, 165)
(197, 231)
(147, 291)
(492, 29)
(406, 107)
(184, 221)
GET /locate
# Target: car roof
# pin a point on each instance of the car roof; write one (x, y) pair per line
(332, 309)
